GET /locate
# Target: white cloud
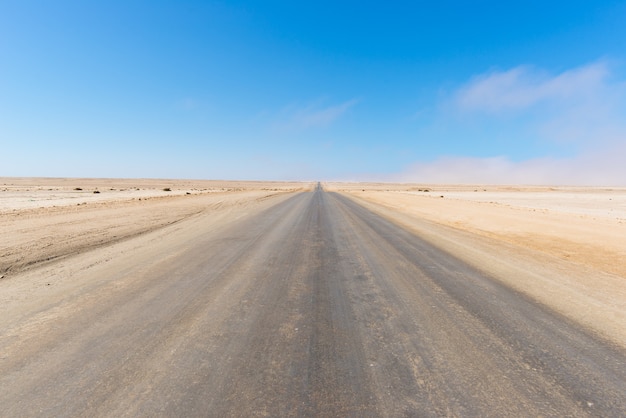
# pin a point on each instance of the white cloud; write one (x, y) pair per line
(186, 103)
(604, 168)
(295, 118)
(524, 86)
(581, 108)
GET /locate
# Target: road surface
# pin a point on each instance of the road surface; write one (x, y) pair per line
(312, 307)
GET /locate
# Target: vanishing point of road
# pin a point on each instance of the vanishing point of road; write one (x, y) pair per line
(312, 307)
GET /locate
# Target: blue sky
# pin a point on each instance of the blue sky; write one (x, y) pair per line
(533, 92)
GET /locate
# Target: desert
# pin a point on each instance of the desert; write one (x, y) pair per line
(45, 219)
(184, 297)
(312, 209)
(564, 246)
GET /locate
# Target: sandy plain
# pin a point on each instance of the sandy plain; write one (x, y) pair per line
(46, 219)
(563, 246)
(225, 296)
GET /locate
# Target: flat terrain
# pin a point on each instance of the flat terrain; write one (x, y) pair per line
(283, 299)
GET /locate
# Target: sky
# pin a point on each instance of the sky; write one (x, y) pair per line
(530, 92)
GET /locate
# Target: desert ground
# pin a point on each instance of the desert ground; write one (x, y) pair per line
(45, 219)
(126, 297)
(564, 246)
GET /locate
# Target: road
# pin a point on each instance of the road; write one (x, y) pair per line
(312, 307)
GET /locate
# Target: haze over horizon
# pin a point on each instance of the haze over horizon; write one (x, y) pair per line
(480, 92)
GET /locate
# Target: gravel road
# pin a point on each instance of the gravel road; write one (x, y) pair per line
(314, 306)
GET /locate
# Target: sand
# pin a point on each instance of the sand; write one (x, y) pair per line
(561, 246)
(46, 219)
